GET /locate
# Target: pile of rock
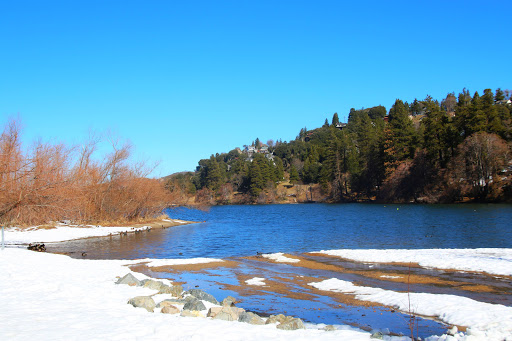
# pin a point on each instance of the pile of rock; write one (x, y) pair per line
(194, 302)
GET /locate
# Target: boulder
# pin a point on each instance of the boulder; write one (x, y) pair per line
(329, 328)
(152, 284)
(145, 302)
(229, 301)
(377, 335)
(169, 302)
(191, 313)
(128, 279)
(276, 319)
(174, 290)
(202, 295)
(170, 309)
(291, 324)
(225, 313)
(194, 304)
(250, 318)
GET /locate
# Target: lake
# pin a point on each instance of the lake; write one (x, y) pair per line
(244, 230)
(238, 233)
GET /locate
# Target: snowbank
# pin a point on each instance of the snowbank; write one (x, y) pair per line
(489, 321)
(492, 261)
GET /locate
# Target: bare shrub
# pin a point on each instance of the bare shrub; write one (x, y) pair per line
(54, 182)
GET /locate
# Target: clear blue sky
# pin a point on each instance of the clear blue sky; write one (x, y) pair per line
(184, 79)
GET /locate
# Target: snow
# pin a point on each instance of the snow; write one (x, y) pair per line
(280, 258)
(492, 261)
(54, 297)
(256, 281)
(490, 321)
(63, 232)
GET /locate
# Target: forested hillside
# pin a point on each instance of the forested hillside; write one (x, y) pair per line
(454, 150)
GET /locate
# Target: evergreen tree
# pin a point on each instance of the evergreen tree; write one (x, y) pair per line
(335, 119)
(294, 175)
(326, 123)
(400, 136)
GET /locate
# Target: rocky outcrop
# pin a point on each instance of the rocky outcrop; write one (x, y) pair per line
(129, 279)
(145, 302)
(250, 318)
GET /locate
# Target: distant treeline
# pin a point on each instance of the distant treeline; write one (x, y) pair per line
(426, 151)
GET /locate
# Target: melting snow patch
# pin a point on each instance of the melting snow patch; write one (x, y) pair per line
(280, 258)
(492, 321)
(493, 261)
(255, 281)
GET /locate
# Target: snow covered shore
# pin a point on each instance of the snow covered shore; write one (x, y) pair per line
(53, 297)
(492, 261)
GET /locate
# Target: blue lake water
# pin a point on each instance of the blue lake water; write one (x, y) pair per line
(244, 230)
(235, 232)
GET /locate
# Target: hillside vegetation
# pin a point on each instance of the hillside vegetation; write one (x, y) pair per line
(427, 151)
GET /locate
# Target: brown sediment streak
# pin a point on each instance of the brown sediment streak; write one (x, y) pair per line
(194, 267)
(393, 276)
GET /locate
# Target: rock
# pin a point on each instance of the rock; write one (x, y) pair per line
(452, 331)
(225, 313)
(129, 279)
(191, 313)
(276, 319)
(169, 302)
(229, 301)
(175, 290)
(152, 284)
(377, 335)
(170, 309)
(145, 302)
(250, 318)
(329, 328)
(291, 324)
(37, 247)
(194, 304)
(202, 295)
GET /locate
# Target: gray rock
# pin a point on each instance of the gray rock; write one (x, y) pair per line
(175, 290)
(194, 304)
(229, 301)
(276, 319)
(250, 318)
(202, 295)
(329, 328)
(145, 302)
(225, 313)
(377, 335)
(152, 284)
(170, 302)
(128, 279)
(291, 324)
(191, 313)
(170, 309)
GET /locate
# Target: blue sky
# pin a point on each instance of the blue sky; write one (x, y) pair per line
(183, 80)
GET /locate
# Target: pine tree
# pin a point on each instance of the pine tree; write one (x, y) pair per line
(294, 175)
(335, 119)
